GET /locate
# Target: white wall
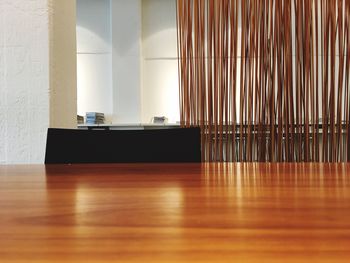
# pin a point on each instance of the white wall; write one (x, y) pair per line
(3, 102)
(126, 59)
(25, 74)
(94, 57)
(24, 80)
(160, 91)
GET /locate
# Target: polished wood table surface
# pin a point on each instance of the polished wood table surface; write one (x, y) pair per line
(175, 213)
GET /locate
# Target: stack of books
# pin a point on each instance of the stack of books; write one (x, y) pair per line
(80, 119)
(95, 118)
(159, 120)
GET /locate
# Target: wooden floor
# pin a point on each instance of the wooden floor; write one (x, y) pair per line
(175, 213)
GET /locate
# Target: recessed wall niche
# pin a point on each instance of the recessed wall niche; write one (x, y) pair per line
(127, 59)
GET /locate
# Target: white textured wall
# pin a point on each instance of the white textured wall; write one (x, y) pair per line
(160, 91)
(24, 80)
(126, 60)
(3, 103)
(25, 77)
(94, 57)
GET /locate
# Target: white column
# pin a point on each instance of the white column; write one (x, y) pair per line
(126, 60)
(63, 64)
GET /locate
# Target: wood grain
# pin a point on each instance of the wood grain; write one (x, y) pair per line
(175, 213)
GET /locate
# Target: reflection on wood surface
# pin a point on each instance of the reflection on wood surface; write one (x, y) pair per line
(244, 212)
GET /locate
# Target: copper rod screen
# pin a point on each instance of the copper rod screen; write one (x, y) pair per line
(266, 80)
